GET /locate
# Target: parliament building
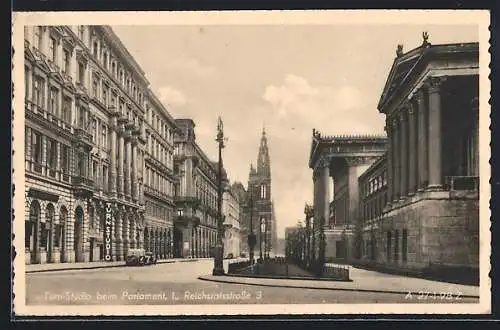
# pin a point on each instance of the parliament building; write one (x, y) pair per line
(408, 201)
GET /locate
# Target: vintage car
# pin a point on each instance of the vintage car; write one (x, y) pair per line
(139, 257)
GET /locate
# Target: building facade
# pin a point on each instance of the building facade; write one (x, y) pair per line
(259, 184)
(195, 225)
(86, 155)
(416, 203)
(244, 204)
(337, 163)
(431, 218)
(231, 212)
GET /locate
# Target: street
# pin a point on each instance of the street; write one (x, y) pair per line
(178, 283)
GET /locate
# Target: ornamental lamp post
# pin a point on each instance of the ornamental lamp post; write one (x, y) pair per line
(219, 247)
(261, 229)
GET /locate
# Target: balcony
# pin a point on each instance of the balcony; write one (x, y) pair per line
(83, 136)
(461, 183)
(83, 186)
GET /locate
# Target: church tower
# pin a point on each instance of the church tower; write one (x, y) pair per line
(259, 185)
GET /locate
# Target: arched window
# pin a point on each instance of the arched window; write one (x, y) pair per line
(30, 226)
(263, 191)
(46, 227)
(94, 49)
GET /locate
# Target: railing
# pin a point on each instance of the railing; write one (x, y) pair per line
(236, 266)
(334, 271)
(83, 135)
(82, 181)
(454, 183)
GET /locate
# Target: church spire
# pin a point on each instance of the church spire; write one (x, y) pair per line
(263, 161)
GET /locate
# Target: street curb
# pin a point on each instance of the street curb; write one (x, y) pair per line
(85, 268)
(203, 278)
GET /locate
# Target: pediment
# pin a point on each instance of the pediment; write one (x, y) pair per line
(57, 77)
(28, 54)
(402, 68)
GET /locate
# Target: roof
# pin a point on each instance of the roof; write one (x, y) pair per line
(409, 65)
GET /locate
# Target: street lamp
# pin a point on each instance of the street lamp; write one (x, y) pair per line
(251, 236)
(261, 229)
(218, 257)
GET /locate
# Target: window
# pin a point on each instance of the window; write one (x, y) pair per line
(65, 159)
(95, 87)
(66, 61)
(39, 37)
(27, 82)
(36, 147)
(53, 49)
(51, 153)
(67, 110)
(94, 130)
(82, 122)
(57, 235)
(113, 68)
(81, 73)
(94, 49)
(404, 246)
(105, 90)
(81, 31)
(105, 178)
(54, 101)
(105, 60)
(262, 192)
(38, 92)
(95, 167)
(104, 136)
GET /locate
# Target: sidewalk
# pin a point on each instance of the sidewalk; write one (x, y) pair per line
(49, 267)
(363, 281)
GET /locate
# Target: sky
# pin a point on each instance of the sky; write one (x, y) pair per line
(288, 78)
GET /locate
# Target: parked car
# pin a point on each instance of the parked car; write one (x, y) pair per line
(150, 258)
(139, 257)
(229, 256)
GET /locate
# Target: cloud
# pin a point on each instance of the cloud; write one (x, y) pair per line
(338, 110)
(192, 66)
(171, 96)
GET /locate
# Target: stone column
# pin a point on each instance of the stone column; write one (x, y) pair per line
(422, 140)
(435, 167)
(390, 165)
(121, 160)
(133, 231)
(128, 165)
(397, 161)
(134, 169)
(325, 190)
(112, 176)
(125, 233)
(118, 253)
(412, 149)
(404, 154)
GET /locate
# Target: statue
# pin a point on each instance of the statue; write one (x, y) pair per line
(425, 36)
(399, 50)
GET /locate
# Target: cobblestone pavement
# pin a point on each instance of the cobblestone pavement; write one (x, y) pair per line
(178, 283)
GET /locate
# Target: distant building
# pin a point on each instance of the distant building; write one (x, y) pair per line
(195, 195)
(259, 189)
(231, 211)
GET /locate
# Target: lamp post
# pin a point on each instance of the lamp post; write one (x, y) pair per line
(309, 212)
(261, 229)
(251, 236)
(219, 247)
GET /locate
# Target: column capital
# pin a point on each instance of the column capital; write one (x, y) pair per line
(433, 84)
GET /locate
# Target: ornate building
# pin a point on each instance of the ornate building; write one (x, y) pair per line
(431, 218)
(259, 185)
(415, 206)
(337, 163)
(98, 149)
(195, 196)
(244, 203)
